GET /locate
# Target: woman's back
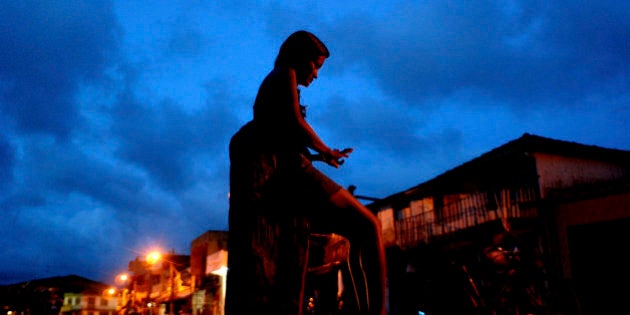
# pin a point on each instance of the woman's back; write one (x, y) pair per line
(273, 112)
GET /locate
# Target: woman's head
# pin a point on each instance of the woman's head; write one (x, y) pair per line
(304, 52)
(299, 47)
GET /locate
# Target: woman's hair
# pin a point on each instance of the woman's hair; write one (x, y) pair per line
(299, 47)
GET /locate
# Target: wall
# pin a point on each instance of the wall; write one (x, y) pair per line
(558, 172)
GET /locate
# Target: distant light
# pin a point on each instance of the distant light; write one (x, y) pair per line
(124, 277)
(111, 291)
(221, 271)
(154, 257)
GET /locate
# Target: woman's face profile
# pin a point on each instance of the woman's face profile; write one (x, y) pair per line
(309, 71)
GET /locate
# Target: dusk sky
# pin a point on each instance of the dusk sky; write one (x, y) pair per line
(115, 116)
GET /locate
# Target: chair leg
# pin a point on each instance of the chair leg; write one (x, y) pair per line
(359, 281)
(365, 282)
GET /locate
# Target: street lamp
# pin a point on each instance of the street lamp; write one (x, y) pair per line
(122, 279)
(152, 258)
(125, 294)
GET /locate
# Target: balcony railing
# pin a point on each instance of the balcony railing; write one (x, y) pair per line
(469, 211)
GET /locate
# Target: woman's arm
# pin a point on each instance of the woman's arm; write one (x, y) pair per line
(328, 155)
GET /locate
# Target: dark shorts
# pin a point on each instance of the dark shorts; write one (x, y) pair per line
(304, 183)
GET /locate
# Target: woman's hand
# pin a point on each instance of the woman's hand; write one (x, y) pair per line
(335, 157)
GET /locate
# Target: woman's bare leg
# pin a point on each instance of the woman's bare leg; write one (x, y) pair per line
(362, 228)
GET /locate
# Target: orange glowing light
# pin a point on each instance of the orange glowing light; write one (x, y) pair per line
(154, 257)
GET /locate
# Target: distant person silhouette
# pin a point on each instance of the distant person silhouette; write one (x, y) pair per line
(277, 196)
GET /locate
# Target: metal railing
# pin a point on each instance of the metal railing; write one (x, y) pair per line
(469, 211)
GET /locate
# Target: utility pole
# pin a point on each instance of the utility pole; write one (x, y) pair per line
(172, 297)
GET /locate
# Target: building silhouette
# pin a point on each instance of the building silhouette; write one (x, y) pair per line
(535, 225)
(70, 294)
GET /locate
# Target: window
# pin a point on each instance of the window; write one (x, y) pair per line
(91, 302)
(104, 302)
(438, 206)
(491, 200)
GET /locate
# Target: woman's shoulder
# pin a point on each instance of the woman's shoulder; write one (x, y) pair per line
(279, 79)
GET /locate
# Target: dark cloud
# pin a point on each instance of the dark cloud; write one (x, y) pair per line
(531, 53)
(394, 149)
(165, 139)
(155, 139)
(378, 171)
(93, 166)
(51, 48)
(371, 122)
(7, 161)
(64, 169)
(53, 241)
(111, 143)
(185, 43)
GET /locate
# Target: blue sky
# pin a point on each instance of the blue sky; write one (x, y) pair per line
(115, 116)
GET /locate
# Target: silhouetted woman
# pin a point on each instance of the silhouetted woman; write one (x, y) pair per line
(277, 196)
